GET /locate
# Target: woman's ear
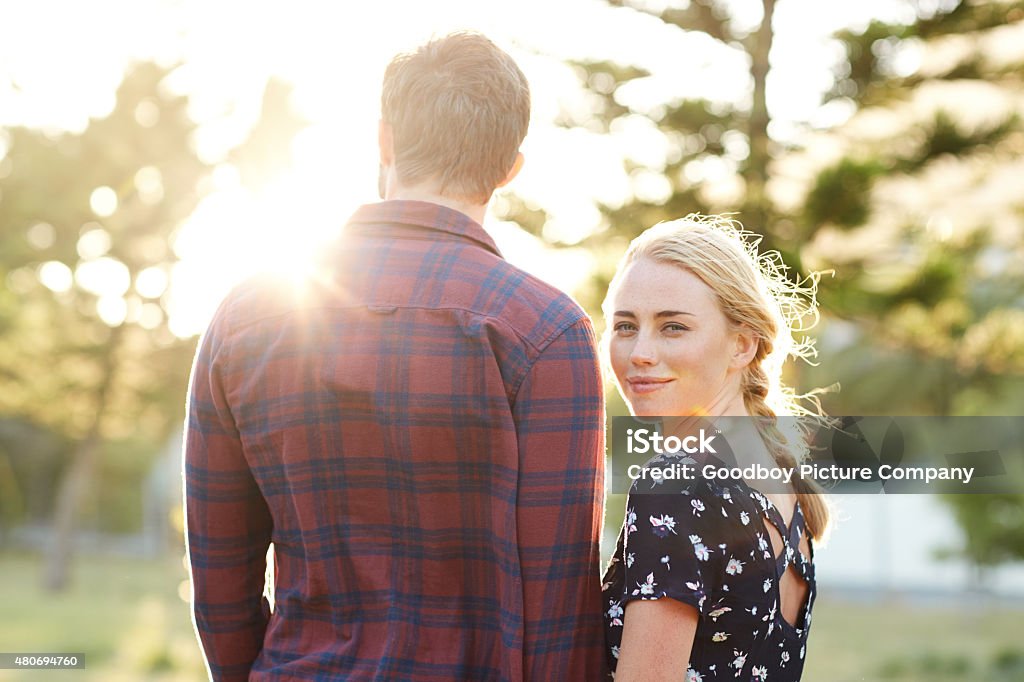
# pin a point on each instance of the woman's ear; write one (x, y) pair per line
(745, 348)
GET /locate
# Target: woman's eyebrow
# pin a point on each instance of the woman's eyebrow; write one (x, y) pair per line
(663, 313)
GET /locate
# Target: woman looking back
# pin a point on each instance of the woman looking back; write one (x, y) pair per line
(713, 578)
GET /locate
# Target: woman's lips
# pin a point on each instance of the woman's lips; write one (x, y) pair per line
(647, 384)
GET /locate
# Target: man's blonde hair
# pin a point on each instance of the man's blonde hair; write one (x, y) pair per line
(458, 108)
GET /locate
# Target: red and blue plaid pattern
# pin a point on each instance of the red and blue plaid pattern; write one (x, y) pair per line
(418, 429)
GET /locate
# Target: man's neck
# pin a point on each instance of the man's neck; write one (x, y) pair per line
(474, 211)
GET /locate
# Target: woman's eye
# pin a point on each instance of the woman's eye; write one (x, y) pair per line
(676, 327)
(625, 327)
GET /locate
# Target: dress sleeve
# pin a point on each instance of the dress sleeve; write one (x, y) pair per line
(668, 548)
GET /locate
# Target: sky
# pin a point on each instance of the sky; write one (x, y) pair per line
(61, 61)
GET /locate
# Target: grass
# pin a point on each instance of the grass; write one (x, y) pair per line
(129, 620)
(125, 615)
(890, 639)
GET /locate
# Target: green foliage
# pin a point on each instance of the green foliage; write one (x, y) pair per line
(995, 523)
(62, 364)
(866, 62)
(968, 17)
(840, 194)
(697, 132)
(945, 136)
(924, 309)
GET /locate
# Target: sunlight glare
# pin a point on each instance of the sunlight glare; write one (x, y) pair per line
(151, 315)
(41, 236)
(112, 310)
(149, 184)
(151, 282)
(103, 277)
(94, 242)
(235, 234)
(103, 201)
(56, 276)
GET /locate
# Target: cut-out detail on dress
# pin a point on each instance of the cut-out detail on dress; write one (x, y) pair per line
(793, 588)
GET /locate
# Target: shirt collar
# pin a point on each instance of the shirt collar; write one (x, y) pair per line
(425, 215)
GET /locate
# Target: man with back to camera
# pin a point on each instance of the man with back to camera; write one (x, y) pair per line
(418, 429)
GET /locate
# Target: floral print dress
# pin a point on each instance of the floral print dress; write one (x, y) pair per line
(706, 544)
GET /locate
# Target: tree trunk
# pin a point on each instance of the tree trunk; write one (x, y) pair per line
(73, 487)
(756, 212)
(79, 478)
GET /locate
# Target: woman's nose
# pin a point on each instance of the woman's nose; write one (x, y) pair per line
(642, 352)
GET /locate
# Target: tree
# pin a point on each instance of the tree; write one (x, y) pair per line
(918, 213)
(717, 154)
(929, 169)
(85, 345)
(912, 205)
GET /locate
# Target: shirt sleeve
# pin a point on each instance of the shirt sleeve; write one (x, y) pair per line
(228, 524)
(668, 547)
(559, 420)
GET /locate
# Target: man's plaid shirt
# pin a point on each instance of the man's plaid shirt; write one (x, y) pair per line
(418, 429)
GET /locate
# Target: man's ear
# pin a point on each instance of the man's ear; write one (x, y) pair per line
(745, 348)
(517, 166)
(386, 143)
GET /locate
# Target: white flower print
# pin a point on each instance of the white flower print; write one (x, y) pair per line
(615, 612)
(663, 525)
(646, 587)
(739, 662)
(753, 644)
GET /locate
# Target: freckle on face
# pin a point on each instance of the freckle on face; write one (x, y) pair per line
(693, 362)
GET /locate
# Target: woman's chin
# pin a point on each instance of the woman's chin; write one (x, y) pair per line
(646, 408)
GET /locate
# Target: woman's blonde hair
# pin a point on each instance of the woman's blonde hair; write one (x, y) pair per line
(755, 294)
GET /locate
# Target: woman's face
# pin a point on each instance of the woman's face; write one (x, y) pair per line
(671, 347)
